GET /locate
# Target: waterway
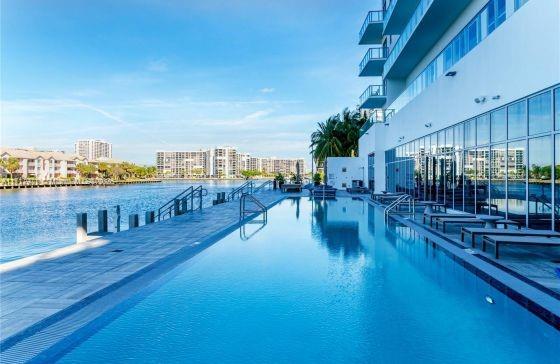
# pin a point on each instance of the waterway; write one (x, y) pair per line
(37, 220)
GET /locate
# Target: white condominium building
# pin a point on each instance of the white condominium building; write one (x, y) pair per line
(221, 162)
(93, 149)
(42, 165)
(465, 105)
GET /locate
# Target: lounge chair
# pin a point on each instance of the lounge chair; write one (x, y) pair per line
(291, 187)
(498, 240)
(474, 232)
(436, 215)
(451, 221)
(323, 192)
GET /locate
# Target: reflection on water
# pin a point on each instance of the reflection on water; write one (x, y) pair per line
(336, 225)
(37, 220)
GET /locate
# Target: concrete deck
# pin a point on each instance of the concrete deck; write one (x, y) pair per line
(41, 290)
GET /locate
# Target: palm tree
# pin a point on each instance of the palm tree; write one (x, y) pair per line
(325, 141)
(349, 128)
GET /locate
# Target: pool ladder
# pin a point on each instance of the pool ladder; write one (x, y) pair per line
(244, 210)
(403, 199)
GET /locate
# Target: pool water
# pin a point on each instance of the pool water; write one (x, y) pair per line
(321, 282)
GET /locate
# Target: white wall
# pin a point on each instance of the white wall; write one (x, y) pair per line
(519, 58)
(356, 169)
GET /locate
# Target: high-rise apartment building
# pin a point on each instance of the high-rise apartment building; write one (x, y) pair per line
(221, 162)
(93, 149)
(465, 105)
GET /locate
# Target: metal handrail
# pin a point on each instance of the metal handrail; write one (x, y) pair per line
(262, 186)
(180, 204)
(247, 187)
(397, 202)
(243, 211)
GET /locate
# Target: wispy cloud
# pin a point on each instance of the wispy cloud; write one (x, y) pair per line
(159, 65)
(267, 90)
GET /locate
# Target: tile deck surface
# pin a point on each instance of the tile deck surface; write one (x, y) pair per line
(55, 282)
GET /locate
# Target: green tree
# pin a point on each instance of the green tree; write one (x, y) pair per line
(86, 170)
(248, 174)
(11, 165)
(104, 169)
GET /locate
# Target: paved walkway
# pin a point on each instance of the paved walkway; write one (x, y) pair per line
(40, 290)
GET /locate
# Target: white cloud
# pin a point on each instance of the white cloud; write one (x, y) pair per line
(158, 65)
(267, 90)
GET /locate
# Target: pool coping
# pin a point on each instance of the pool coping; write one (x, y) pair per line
(535, 299)
(29, 336)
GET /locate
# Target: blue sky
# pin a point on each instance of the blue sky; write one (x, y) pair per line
(169, 75)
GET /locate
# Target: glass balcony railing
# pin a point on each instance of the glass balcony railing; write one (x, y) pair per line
(375, 16)
(389, 12)
(373, 54)
(377, 116)
(418, 14)
(372, 91)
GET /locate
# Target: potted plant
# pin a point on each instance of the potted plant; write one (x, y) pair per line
(317, 179)
(279, 179)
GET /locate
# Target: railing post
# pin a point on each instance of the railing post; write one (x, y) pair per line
(102, 221)
(118, 208)
(150, 217)
(177, 207)
(132, 221)
(192, 201)
(81, 227)
(200, 199)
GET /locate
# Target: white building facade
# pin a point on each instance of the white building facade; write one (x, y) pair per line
(466, 105)
(93, 149)
(221, 162)
(42, 165)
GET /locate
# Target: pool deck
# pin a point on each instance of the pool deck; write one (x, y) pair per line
(524, 274)
(41, 290)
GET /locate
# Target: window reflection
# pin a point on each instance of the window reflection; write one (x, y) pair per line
(498, 162)
(557, 182)
(470, 178)
(557, 109)
(540, 113)
(483, 130)
(517, 120)
(540, 179)
(498, 127)
(482, 181)
(517, 170)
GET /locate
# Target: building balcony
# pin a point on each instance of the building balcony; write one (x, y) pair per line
(378, 116)
(425, 26)
(372, 29)
(397, 15)
(373, 62)
(373, 97)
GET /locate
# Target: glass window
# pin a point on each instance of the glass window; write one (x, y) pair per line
(483, 130)
(540, 113)
(469, 170)
(540, 183)
(441, 142)
(557, 182)
(448, 57)
(498, 127)
(519, 3)
(557, 109)
(448, 147)
(517, 172)
(496, 14)
(517, 120)
(482, 180)
(498, 162)
(458, 172)
(470, 133)
(458, 136)
(473, 33)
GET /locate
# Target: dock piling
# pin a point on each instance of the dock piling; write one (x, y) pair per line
(150, 217)
(81, 227)
(102, 221)
(132, 221)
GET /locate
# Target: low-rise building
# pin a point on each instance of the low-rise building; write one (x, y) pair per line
(42, 165)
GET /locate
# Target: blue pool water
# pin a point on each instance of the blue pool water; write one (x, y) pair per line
(321, 282)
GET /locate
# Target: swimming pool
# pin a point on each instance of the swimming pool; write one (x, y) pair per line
(322, 281)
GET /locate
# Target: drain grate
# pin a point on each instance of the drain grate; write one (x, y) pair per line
(117, 251)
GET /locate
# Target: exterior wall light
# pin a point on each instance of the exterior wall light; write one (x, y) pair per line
(428, 125)
(451, 73)
(497, 97)
(480, 100)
